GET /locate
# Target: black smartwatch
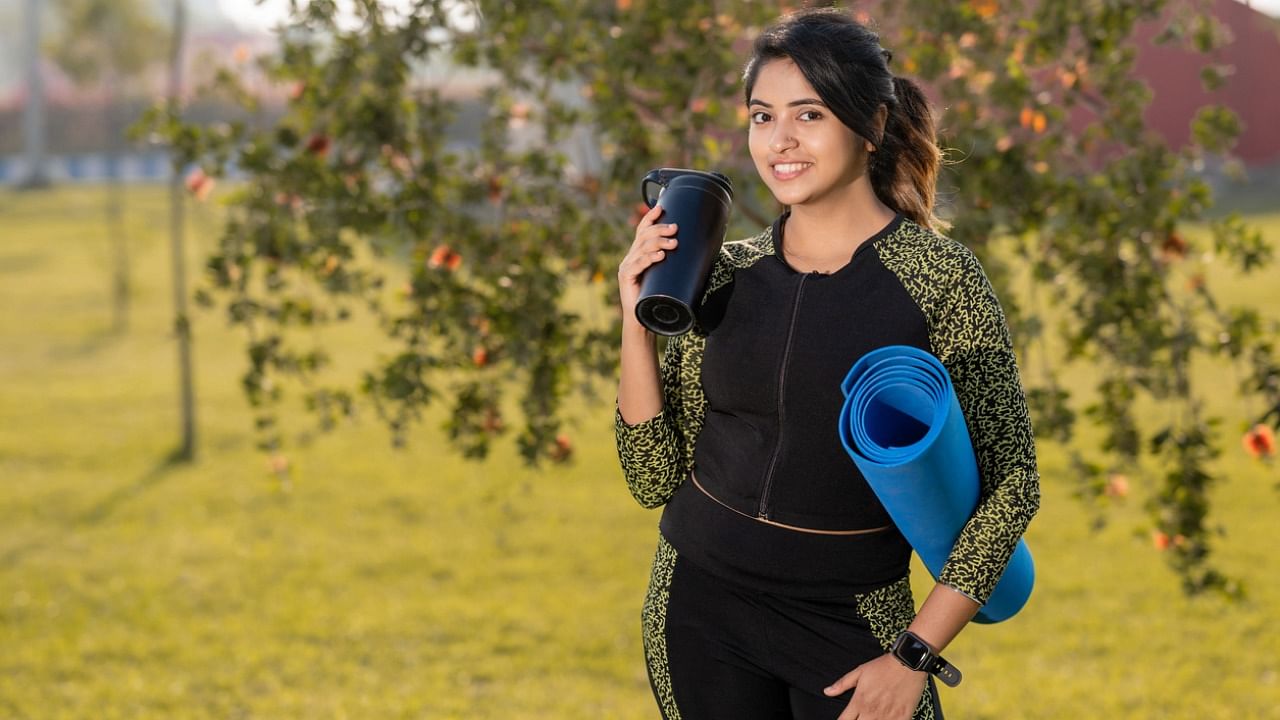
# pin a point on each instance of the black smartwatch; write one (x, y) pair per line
(916, 654)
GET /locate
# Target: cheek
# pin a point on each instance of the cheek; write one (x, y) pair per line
(758, 146)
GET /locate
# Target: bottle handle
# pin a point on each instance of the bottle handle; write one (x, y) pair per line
(656, 180)
(652, 186)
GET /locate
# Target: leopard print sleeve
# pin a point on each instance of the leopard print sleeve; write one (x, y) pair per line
(969, 335)
(654, 453)
(972, 341)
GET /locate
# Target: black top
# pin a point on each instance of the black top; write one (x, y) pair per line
(746, 454)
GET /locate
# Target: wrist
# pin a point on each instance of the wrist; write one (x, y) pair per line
(634, 330)
(914, 653)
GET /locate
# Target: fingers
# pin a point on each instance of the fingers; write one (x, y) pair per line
(649, 218)
(848, 682)
(651, 245)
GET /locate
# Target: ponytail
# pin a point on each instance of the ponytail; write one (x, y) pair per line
(904, 167)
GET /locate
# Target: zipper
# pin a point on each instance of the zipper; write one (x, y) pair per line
(782, 377)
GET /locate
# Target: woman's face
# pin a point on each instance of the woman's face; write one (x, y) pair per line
(800, 148)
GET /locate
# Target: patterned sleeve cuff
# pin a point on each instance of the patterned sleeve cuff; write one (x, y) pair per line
(987, 541)
(649, 452)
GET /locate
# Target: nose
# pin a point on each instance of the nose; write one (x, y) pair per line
(782, 138)
(781, 141)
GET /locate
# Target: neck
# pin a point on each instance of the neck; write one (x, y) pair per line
(836, 226)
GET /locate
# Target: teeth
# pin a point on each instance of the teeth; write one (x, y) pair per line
(789, 168)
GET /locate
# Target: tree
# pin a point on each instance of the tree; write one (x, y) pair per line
(495, 234)
(103, 43)
(33, 125)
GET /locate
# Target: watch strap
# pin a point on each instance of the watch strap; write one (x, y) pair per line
(931, 662)
(947, 673)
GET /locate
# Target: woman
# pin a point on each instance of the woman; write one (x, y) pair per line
(780, 583)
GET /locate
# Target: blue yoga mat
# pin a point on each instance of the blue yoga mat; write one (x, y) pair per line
(902, 425)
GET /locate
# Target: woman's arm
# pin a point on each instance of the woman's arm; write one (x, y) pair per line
(891, 690)
(649, 446)
(969, 335)
(639, 388)
(973, 342)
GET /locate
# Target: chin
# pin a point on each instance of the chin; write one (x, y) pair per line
(791, 196)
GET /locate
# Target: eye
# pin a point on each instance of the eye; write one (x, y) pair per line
(759, 117)
(810, 115)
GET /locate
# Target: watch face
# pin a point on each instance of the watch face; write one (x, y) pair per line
(912, 651)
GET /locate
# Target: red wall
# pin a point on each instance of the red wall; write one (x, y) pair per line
(1253, 92)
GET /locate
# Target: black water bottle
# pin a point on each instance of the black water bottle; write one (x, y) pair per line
(699, 203)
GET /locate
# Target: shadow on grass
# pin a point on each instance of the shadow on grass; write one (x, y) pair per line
(106, 507)
(86, 347)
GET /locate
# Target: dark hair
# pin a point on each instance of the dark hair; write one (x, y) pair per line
(843, 61)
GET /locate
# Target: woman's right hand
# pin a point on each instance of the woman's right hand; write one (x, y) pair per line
(650, 246)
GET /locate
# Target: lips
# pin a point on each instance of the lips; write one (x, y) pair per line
(787, 171)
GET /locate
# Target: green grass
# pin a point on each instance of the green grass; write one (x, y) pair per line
(410, 583)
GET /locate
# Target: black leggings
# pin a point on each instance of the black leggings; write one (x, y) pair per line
(716, 650)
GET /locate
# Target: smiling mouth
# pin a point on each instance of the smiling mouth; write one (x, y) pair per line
(786, 171)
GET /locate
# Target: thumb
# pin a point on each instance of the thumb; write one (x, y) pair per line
(844, 684)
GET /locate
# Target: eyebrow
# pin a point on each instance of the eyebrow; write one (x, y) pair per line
(793, 103)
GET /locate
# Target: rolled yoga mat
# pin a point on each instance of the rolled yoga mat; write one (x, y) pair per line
(902, 425)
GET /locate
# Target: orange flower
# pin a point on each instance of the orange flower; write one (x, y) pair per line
(444, 256)
(1117, 486)
(318, 144)
(199, 184)
(519, 115)
(1039, 122)
(1160, 540)
(1173, 248)
(293, 201)
(278, 464)
(480, 356)
(1260, 441)
(986, 9)
(1026, 117)
(563, 448)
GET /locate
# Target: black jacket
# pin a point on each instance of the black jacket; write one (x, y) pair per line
(746, 456)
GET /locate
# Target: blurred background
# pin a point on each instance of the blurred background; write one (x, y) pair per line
(308, 330)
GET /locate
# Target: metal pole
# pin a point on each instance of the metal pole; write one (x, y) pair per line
(177, 224)
(33, 120)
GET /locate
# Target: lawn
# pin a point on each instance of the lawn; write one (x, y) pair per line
(409, 583)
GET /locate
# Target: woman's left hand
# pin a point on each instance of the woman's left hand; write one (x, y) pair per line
(886, 690)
